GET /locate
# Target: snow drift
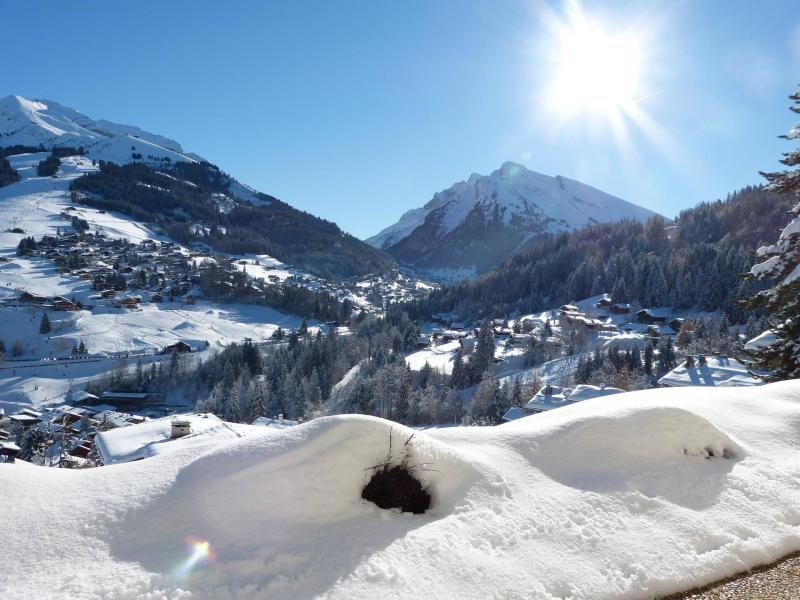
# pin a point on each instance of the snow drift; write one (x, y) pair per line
(627, 496)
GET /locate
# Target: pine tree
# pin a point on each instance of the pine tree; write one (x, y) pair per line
(666, 355)
(459, 377)
(44, 326)
(483, 357)
(2, 349)
(780, 263)
(516, 393)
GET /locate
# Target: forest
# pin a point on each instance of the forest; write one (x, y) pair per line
(696, 262)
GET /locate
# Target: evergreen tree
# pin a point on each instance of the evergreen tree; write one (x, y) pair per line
(2, 349)
(516, 393)
(483, 356)
(666, 355)
(44, 326)
(780, 263)
(459, 378)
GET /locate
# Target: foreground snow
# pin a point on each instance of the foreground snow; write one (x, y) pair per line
(629, 496)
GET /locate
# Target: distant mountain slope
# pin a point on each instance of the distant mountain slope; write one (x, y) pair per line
(47, 123)
(695, 262)
(151, 177)
(477, 223)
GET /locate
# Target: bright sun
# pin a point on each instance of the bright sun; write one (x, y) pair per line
(595, 70)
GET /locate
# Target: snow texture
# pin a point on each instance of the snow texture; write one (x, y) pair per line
(628, 496)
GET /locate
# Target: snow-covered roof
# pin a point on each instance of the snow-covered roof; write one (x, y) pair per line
(274, 423)
(553, 396)
(548, 398)
(514, 413)
(155, 437)
(761, 341)
(586, 392)
(718, 371)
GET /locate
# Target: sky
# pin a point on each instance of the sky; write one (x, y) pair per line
(359, 111)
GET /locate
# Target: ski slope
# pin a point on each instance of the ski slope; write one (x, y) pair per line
(631, 496)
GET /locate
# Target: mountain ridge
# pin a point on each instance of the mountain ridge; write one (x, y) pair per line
(202, 205)
(478, 222)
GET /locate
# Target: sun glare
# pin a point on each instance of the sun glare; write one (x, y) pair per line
(596, 71)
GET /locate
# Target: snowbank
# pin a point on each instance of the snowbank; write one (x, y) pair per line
(627, 496)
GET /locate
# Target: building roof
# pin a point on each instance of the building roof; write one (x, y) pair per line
(515, 412)
(274, 423)
(154, 437)
(559, 396)
(719, 371)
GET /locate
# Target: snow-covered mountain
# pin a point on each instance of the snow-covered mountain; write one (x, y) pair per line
(44, 122)
(476, 223)
(195, 193)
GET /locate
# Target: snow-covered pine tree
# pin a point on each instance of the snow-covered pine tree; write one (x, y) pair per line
(780, 263)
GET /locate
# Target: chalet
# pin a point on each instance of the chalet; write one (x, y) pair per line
(63, 304)
(620, 308)
(25, 419)
(553, 396)
(8, 452)
(129, 302)
(677, 323)
(180, 347)
(712, 371)
(29, 298)
(423, 341)
(467, 344)
(569, 308)
(125, 398)
(82, 450)
(647, 317)
(604, 302)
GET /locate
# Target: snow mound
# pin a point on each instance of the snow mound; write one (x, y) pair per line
(635, 495)
(290, 501)
(666, 452)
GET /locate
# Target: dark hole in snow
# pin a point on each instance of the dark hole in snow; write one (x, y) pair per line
(396, 487)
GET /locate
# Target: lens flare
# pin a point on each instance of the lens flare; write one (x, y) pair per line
(200, 553)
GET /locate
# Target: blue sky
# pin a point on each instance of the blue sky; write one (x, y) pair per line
(358, 111)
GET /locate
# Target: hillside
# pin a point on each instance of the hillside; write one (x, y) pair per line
(151, 178)
(630, 496)
(695, 262)
(475, 224)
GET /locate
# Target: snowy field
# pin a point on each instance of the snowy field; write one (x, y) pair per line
(630, 496)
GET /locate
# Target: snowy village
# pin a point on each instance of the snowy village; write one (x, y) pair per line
(443, 300)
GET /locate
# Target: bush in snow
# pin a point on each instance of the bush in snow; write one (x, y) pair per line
(394, 485)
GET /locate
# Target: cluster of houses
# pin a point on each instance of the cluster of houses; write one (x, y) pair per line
(89, 431)
(394, 287)
(616, 317)
(69, 430)
(114, 266)
(125, 274)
